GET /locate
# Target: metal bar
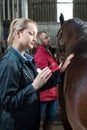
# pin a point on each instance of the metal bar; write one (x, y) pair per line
(8, 9)
(3, 9)
(13, 10)
(17, 14)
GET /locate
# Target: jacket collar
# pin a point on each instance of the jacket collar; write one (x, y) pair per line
(18, 56)
(44, 49)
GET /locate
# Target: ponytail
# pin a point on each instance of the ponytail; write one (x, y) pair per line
(10, 36)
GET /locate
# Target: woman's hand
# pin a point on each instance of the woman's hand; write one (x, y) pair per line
(42, 78)
(66, 63)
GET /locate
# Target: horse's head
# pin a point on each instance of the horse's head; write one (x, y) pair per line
(71, 31)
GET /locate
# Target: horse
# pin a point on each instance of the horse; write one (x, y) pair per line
(72, 38)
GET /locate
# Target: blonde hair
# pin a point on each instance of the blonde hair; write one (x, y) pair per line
(39, 38)
(18, 24)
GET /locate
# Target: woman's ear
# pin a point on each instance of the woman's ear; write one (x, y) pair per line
(17, 33)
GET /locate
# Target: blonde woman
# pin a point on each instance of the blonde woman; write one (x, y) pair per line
(19, 80)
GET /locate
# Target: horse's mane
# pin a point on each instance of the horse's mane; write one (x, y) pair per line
(81, 24)
(78, 28)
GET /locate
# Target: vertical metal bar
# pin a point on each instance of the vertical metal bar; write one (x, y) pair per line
(13, 11)
(36, 15)
(17, 15)
(15, 8)
(34, 10)
(30, 8)
(19, 8)
(48, 9)
(24, 8)
(8, 9)
(84, 10)
(45, 17)
(3, 9)
(0, 25)
(38, 10)
(41, 9)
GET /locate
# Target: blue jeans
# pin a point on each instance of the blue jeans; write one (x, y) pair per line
(48, 110)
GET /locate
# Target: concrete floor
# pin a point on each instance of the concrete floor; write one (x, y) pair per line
(60, 127)
(57, 126)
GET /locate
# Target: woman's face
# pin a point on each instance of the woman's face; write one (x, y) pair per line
(45, 39)
(27, 38)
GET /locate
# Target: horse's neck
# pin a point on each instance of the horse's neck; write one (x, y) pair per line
(72, 43)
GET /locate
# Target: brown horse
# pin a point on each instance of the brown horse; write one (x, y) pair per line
(73, 37)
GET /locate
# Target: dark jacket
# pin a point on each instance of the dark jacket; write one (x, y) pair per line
(17, 95)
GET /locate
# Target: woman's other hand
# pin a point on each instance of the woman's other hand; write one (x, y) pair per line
(66, 63)
(42, 78)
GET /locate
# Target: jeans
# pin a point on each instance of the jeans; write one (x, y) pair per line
(48, 110)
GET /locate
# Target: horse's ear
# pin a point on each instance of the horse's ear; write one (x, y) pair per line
(61, 18)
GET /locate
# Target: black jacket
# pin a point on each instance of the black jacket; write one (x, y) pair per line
(17, 95)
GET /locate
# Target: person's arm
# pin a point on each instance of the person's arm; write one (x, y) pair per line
(58, 76)
(53, 81)
(41, 62)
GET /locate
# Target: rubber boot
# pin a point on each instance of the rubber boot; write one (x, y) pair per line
(48, 125)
